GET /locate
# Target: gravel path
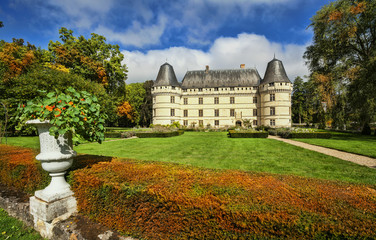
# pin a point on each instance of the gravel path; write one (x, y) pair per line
(358, 159)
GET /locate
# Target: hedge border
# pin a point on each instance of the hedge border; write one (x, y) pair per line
(237, 134)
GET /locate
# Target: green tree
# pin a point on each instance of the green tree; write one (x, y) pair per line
(146, 111)
(298, 100)
(93, 58)
(343, 54)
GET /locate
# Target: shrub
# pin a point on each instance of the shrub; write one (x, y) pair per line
(20, 169)
(366, 129)
(112, 134)
(159, 134)
(167, 201)
(247, 134)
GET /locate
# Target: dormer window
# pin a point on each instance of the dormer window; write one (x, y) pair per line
(271, 84)
(173, 88)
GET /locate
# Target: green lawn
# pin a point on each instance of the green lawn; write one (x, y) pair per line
(348, 142)
(11, 228)
(215, 150)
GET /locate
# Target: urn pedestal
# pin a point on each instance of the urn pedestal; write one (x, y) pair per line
(56, 202)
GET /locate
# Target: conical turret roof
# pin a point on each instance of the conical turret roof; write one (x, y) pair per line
(275, 72)
(166, 76)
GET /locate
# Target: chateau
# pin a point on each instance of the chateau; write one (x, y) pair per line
(223, 98)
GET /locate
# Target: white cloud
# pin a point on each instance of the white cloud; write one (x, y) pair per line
(136, 35)
(82, 13)
(226, 53)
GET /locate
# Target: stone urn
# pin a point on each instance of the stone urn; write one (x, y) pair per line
(56, 156)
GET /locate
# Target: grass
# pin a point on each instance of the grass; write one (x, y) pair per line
(215, 150)
(11, 228)
(348, 142)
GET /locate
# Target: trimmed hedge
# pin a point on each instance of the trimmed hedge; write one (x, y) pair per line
(20, 169)
(305, 135)
(159, 134)
(167, 201)
(245, 134)
(112, 134)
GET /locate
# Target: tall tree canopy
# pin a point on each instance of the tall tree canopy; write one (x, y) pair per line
(342, 58)
(93, 58)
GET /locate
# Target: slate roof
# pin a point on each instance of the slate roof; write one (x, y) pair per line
(275, 72)
(166, 76)
(221, 78)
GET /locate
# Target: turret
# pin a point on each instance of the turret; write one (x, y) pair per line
(166, 93)
(275, 92)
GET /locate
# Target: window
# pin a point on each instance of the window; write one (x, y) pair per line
(185, 113)
(232, 100)
(173, 88)
(271, 84)
(154, 99)
(254, 112)
(185, 101)
(216, 112)
(201, 123)
(272, 122)
(272, 97)
(172, 99)
(215, 89)
(272, 111)
(255, 88)
(200, 113)
(254, 99)
(255, 122)
(232, 112)
(154, 112)
(216, 100)
(232, 88)
(184, 90)
(172, 112)
(216, 122)
(185, 122)
(200, 89)
(200, 100)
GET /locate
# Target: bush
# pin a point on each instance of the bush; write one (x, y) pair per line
(159, 134)
(308, 135)
(168, 201)
(19, 169)
(366, 129)
(247, 134)
(112, 134)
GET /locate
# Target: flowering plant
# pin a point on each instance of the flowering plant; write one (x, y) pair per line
(71, 111)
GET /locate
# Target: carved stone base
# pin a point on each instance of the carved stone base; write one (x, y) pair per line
(48, 214)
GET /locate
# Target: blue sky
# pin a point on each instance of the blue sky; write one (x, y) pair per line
(189, 34)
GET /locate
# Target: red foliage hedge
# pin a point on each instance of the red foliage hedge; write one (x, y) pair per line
(20, 169)
(167, 201)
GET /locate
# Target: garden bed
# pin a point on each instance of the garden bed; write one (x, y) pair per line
(169, 201)
(247, 134)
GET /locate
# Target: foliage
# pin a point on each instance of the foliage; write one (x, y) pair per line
(247, 134)
(302, 133)
(342, 59)
(72, 112)
(15, 59)
(159, 134)
(166, 201)
(126, 110)
(93, 58)
(19, 169)
(146, 111)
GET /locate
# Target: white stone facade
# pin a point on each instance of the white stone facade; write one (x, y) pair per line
(267, 104)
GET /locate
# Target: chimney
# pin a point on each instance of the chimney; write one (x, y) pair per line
(242, 65)
(207, 69)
